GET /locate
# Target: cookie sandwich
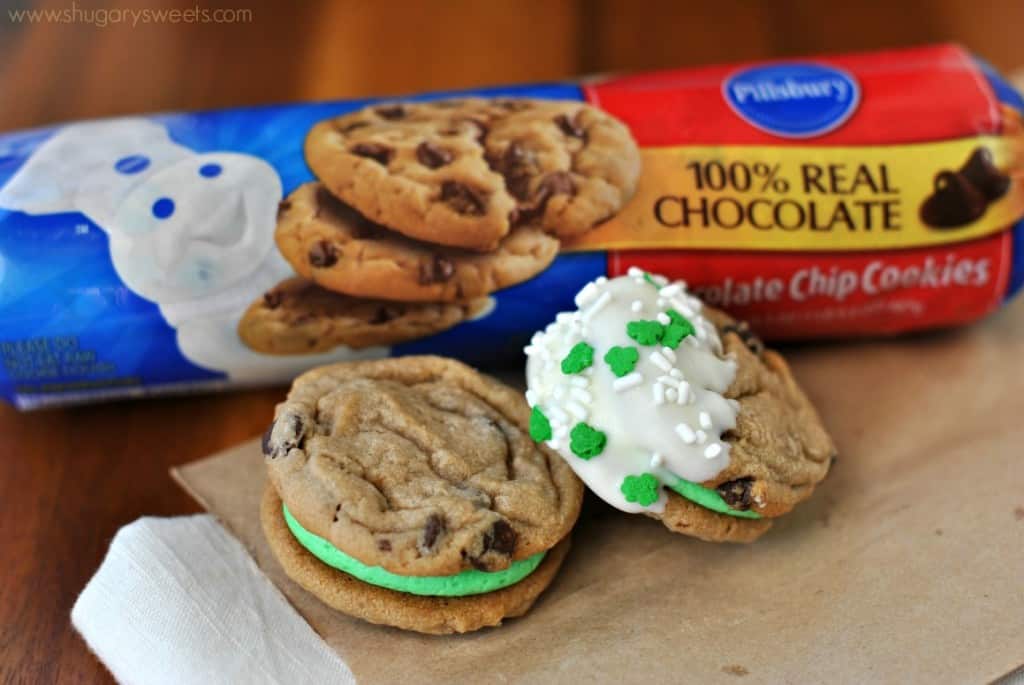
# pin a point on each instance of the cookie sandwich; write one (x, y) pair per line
(669, 408)
(408, 492)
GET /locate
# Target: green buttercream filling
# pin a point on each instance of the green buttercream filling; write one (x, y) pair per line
(468, 582)
(709, 499)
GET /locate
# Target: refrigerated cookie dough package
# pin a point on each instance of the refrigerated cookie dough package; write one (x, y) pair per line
(827, 197)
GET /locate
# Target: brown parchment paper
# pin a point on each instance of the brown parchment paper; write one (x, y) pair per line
(907, 565)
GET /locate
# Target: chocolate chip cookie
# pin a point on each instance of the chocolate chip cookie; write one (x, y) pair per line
(467, 172)
(418, 467)
(331, 244)
(299, 317)
(671, 409)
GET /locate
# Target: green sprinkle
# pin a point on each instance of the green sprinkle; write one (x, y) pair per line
(580, 357)
(586, 442)
(650, 279)
(677, 330)
(645, 332)
(540, 427)
(642, 489)
(621, 359)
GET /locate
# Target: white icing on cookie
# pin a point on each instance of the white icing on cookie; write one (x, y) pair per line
(665, 416)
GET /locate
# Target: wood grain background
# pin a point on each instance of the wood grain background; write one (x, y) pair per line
(69, 478)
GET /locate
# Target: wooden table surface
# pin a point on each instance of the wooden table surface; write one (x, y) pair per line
(69, 478)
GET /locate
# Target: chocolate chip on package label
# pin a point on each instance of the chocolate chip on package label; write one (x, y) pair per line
(955, 202)
(433, 156)
(390, 112)
(322, 255)
(379, 153)
(462, 198)
(437, 270)
(980, 171)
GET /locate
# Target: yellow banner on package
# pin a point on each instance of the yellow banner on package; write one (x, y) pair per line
(819, 198)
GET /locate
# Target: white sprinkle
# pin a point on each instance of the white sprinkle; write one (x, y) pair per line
(579, 381)
(576, 409)
(657, 460)
(554, 444)
(685, 433)
(660, 302)
(661, 362)
(581, 394)
(692, 341)
(637, 306)
(734, 404)
(668, 380)
(702, 437)
(564, 317)
(663, 319)
(712, 450)
(587, 295)
(601, 303)
(530, 350)
(638, 281)
(671, 395)
(557, 415)
(702, 333)
(669, 353)
(601, 280)
(684, 308)
(531, 398)
(659, 394)
(626, 382)
(660, 280)
(670, 290)
(635, 272)
(684, 393)
(676, 373)
(705, 420)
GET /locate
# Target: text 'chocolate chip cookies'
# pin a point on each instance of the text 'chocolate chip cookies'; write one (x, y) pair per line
(440, 203)
(669, 408)
(408, 492)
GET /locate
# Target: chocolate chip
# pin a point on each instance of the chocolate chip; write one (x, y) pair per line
(437, 270)
(391, 112)
(736, 493)
(322, 254)
(384, 545)
(432, 156)
(353, 126)
(297, 429)
(337, 510)
(282, 207)
(955, 202)
(265, 442)
(746, 336)
(980, 170)
(513, 105)
(571, 127)
(384, 314)
(501, 538)
(375, 151)
(515, 164)
(272, 299)
(432, 530)
(462, 198)
(557, 183)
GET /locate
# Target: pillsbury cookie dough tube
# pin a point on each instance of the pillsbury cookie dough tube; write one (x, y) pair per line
(826, 197)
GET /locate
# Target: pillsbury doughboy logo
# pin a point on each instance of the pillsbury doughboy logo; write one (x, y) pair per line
(793, 100)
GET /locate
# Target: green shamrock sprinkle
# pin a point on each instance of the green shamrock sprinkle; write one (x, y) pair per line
(642, 489)
(650, 279)
(580, 357)
(677, 330)
(645, 332)
(586, 442)
(540, 427)
(621, 359)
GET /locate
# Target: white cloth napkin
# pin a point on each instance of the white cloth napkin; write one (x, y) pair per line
(180, 601)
